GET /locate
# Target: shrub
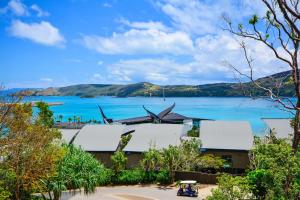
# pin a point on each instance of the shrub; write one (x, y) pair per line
(134, 176)
(76, 170)
(163, 177)
(119, 161)
(194, 132)
(210, 161)
(152, 160)
(231, 188)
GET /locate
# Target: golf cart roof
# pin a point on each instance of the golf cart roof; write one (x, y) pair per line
(188, 182)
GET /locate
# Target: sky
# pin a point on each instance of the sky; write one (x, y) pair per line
(52, 43)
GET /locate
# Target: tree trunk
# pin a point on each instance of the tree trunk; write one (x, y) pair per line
(296, 137)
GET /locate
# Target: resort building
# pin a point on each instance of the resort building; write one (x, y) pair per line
(100, 140)
(281, 127)
(156, 136)
(68, 134)
(230, 140)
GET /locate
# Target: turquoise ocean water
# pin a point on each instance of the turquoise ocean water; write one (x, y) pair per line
(226, 108)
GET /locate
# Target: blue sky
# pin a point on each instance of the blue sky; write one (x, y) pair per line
(64, 42)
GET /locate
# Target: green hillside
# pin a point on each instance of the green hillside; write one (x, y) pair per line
(148, 89)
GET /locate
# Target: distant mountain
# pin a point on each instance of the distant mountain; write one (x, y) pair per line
(13, 91)
(149, 89)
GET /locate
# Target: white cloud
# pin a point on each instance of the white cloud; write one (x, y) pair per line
(47, 79)
(100, 62)
(212, 51)
(159, 71)
(17, 7)
(97, 76)
(204, 17)
(39, 11)
(107, 5)
(42, 33)
(145, 25)
(134, 41)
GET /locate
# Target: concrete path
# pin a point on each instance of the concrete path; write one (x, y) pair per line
(137, 192)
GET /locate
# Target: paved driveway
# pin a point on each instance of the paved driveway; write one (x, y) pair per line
(149, 192)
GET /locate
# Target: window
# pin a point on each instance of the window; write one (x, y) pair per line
(228, 161)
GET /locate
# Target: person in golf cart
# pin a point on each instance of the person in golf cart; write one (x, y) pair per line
(188, 188)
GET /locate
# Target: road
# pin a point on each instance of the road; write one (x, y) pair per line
(137, 192)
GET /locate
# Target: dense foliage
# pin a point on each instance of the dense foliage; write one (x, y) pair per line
(76, 170)
(45, 115)
(119, 161)
(30, 151)
(274, 174)
(194, 132)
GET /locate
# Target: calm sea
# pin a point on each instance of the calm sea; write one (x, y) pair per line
(251, 110)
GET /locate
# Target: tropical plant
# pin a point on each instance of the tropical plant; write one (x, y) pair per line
(60, 118)
(275, 170)
(274, 173)
(45, 115)
(231, 188)
(210, 161)
(76, 170)
(119, 161)
(69, 120)
(194, 132)
(124, 141)
(278, 30)
(29, 150)
(152, 160)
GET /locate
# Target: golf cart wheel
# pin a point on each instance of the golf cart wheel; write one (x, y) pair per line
(178, 194)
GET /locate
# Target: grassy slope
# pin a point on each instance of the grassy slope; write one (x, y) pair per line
(144, 89)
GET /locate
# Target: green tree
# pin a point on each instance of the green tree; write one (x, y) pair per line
(29, 151)
(76, 170)
(45, 115)
(279, 31)
(194, 132)
(152, 160)
(210, 161)
(124, 141)
(119, 161)
(69, 120)
(231, 188)
(60, 118)
(274, 173)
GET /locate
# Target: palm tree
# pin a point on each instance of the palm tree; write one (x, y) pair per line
(69, 119)
(60, 118)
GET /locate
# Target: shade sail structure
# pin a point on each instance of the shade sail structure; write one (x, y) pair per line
(226, 135)
(281, 127)
(100, 138)
(155, 135)
(165, 116)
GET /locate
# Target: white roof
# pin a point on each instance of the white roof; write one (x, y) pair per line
(68, 134)
(158, 136)
(99, 137)
(281, 127)
(226, 135)
(188, 182)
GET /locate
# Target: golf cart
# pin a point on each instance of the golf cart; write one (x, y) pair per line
(188, 188)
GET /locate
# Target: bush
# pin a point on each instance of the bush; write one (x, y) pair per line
(134, 176)
(163, 177)
(119, 161)
(194, 132)
(77, 170)
(231, 188)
